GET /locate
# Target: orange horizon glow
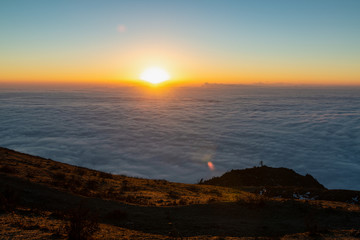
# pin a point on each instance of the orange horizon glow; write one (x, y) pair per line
(113, 43)
(174, 83)
(181, 71)
(185, 69)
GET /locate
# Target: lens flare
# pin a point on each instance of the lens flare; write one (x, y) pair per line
(211, 166)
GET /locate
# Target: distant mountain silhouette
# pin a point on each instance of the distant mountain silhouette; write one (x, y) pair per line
(265, 176)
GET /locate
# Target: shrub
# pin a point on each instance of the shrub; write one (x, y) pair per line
(82, 223)
(79, 171)
(58, 177)
(183, 201)
(29, 175)
(74, 182)
(124, 186)
(211, 200)
(8, 169)
(193, 189)
(54, 167)
(161, 181)
(215, 192)
(253, 201)
(173, 195)
(311, 225)
(92, 184)
(9, 199)
(355, 233)
(105, 175)
(139, 199)
(109, 193)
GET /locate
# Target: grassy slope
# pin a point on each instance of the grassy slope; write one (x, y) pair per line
(133, 208)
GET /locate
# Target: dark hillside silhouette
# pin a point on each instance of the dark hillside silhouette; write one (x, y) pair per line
(265, 176)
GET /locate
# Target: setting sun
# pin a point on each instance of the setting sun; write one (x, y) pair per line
(154, 75)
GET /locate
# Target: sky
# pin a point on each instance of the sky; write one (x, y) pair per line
(278, 41)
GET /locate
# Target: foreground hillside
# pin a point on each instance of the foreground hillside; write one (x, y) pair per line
(45, 199)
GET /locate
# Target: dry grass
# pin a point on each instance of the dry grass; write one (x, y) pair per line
(91, 183)
(135, 208)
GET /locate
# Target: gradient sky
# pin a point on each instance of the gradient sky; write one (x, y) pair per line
(279, 41)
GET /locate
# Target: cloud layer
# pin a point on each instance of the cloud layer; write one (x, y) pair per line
(176, 135)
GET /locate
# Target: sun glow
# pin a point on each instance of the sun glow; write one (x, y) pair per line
(155, 75)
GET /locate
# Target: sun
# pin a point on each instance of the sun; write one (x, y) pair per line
(155, 75)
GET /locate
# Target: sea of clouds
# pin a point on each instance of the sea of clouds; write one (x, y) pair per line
(173, 134)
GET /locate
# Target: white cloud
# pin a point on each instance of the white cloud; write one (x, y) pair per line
(124, 132)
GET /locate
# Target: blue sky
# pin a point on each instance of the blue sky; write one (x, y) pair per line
(267, 34)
